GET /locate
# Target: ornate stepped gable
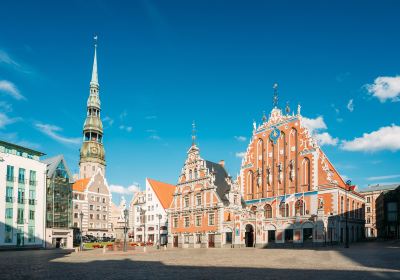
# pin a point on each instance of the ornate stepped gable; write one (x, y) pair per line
(284, 158)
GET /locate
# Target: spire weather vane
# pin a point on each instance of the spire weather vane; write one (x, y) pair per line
(95, 40)
(275, 99)
(193, 133)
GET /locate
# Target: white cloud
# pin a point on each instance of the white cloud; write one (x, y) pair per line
(125, 128)
(385, 138)
(108, 120)
(53, 132)
(386, 177)
(240, 154)
(314, 124)
(124, 190)
(5, 120)
(240, 138)
(385, 88)
(155, 137)
(9, 88)
(5, 58)
(5, 107)
(350, 105)
(326, 139)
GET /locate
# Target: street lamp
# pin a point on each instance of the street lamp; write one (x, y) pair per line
(125, 228)
(81, 244)
(347, 215)
(159, 231)
(143, 213)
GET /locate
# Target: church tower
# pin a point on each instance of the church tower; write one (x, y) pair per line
(92, 154)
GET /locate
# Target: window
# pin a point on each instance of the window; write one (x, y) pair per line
(21, 175)
(368, 199)
(268, 211)
(198, 238)
(104, 217)
(186, 239)
(186, 201)
(10, 173)
(97, 199)
(235, 199)
(175, 223)
(282, 209)
(9, 194)
(198, 221)
(76, 206)
(20, 216)
(368, 220)
(211, 219)
(8, 236)
(9, 213)
(299, 207)
(32, 178)
(198, 199)
(368, 209)
(91, 207)
(104, 200)
(187, 222)
(31, 215)
(341, 205)
(98, 216)
(190, 174)
(91, 216)
(76, 215)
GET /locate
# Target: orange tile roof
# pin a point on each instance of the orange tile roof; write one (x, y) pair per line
(163, 191)
(80, 185)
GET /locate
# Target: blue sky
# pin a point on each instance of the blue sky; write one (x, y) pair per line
(163, 64)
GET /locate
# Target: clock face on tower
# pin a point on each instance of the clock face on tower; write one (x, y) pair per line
(274, 135)
(94, 150)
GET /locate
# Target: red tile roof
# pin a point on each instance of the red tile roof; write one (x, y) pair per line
(163, 191)
(80, 185)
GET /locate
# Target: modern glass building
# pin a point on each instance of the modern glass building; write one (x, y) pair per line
(58, 203)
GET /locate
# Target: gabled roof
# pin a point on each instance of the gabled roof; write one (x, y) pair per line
(379, 187)
(52, 164)
(220, 179)
(163, 191)
(80, 185)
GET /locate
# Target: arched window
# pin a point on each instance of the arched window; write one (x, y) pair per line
(268, 211)
(306, 174)
(253, 208)
(282, 209)
(299, 207)
(250, 183)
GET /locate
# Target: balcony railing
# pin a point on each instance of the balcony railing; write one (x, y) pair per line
(21, 180)
(20, 221)
(10, 178)
(32, 201)
(9, 199)
(32, 183)
(21, 200)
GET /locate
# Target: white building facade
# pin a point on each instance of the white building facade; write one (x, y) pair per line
(22, 197)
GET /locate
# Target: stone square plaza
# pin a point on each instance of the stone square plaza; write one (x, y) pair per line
(377, 260)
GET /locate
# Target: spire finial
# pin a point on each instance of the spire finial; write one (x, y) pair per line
(264, 117)
(193, 133)
(287, 109)
(95, 80)
(275, 99)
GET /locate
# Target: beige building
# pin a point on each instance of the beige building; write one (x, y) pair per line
(92, 198)
(371, 194)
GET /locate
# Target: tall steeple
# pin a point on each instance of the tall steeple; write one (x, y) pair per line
(92, 154)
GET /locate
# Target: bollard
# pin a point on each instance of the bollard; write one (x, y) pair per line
(144, 249)
(165, 247)
(104, 249)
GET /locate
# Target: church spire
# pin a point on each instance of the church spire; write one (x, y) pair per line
(275, 99)
(193, 134)
(95, 80)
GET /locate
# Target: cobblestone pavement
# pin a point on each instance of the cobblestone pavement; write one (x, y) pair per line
(360, 261)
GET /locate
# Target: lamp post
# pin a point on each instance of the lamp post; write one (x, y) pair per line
(125, 228)
(347, 229)
(81, 244)
(159, 231)
(143, 212)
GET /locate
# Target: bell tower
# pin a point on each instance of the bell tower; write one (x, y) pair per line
(92, 154)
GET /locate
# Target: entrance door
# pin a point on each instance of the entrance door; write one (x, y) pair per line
(271, 236)
(20, 237)
(249, 236)
(211, 241)
(176, 241)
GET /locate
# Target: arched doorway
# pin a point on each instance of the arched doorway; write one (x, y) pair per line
(249, 236)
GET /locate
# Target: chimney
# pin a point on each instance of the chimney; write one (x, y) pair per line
(222, 163)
